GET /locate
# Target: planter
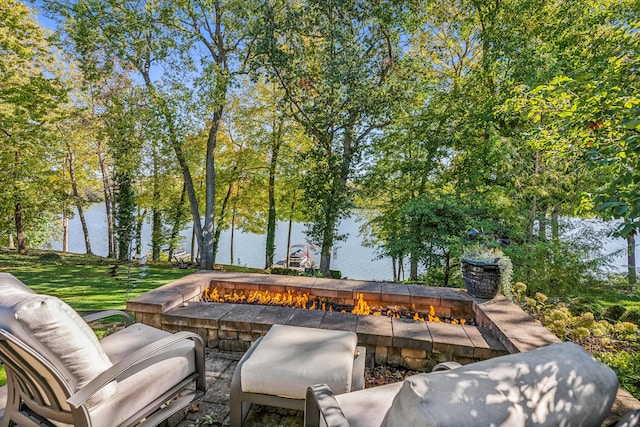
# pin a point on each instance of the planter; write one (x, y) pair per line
(481, 280)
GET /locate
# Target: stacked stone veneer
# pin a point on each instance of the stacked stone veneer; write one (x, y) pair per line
(502, 327)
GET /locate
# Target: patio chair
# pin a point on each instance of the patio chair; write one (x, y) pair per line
(557, 385)
(58, 373)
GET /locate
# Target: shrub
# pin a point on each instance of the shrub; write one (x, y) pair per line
(614, 312)
(284, 271)
(632, 316)
(50, 257)
(586, 305)
(627, 366)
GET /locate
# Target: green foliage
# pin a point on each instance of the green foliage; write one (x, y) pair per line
(31, 96)
(626, 366)
(336, 274)
(555, 267)
(577, 306)
(613, 312)
(631, 315)
(50, 257)
(285, 271)
(614, 343)
(3, 376)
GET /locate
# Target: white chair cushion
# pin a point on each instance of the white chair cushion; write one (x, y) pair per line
(291, 358)
(10, 284)
(167, 368)
(558, 385)
(59, 334)
(368, 407)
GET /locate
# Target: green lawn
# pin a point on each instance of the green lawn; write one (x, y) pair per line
(84, 282)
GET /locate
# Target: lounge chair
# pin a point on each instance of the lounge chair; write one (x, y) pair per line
(58, 373)
(557, 385)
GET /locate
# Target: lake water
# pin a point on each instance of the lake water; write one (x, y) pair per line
(350, 257)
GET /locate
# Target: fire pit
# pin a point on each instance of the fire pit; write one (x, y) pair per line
(499, 327)
(306, 301)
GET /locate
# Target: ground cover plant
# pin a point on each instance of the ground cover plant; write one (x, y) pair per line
(610, 332)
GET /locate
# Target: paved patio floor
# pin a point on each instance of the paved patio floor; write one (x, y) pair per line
(213, 408)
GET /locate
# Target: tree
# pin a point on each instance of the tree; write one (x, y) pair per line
(30, 94)
(594, 106)
(339, 65)
(202, 41)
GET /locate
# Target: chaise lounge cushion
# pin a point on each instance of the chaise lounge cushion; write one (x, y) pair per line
(54, 329)
(297, 357)
(557, 385)
(161, 372)
(10, 284)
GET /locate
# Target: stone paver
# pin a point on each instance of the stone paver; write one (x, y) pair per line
(213, 408)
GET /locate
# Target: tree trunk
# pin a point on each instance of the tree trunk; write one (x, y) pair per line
(209, 244)
(542, 224)
(413, 268)
(77, 198)
(85, 229)
(156, 219)
(186, 172)
(555, 222)
(286, 262)
(22, 240)
(325, 261)
(138, 237)
(12, 244)
(395, 272)
(220, 222)
(108, 197)
(271, 220)
(631, 258)
(65, 233)
(176, 225)
(233, 229)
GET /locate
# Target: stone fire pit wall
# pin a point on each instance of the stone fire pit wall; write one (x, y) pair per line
(502, 327)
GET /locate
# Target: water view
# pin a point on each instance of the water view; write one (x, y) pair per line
(354, 260)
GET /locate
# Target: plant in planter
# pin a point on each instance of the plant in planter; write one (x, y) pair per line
(485, 270)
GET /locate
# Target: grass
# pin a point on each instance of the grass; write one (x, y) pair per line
(610, 295)
(85, 282)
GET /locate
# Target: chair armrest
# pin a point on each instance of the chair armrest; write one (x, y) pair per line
(320, 402)
(108, 313)
(446, 366)
(130, 362)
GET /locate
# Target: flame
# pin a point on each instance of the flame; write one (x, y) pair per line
(301, 300)
(361, 308)
(432, 315)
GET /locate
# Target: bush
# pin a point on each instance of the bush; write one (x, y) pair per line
(50, 257)
(614, 312)
(632, 315)
(626, 366)
(284, 271)
(336, 274)
(586, 305)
